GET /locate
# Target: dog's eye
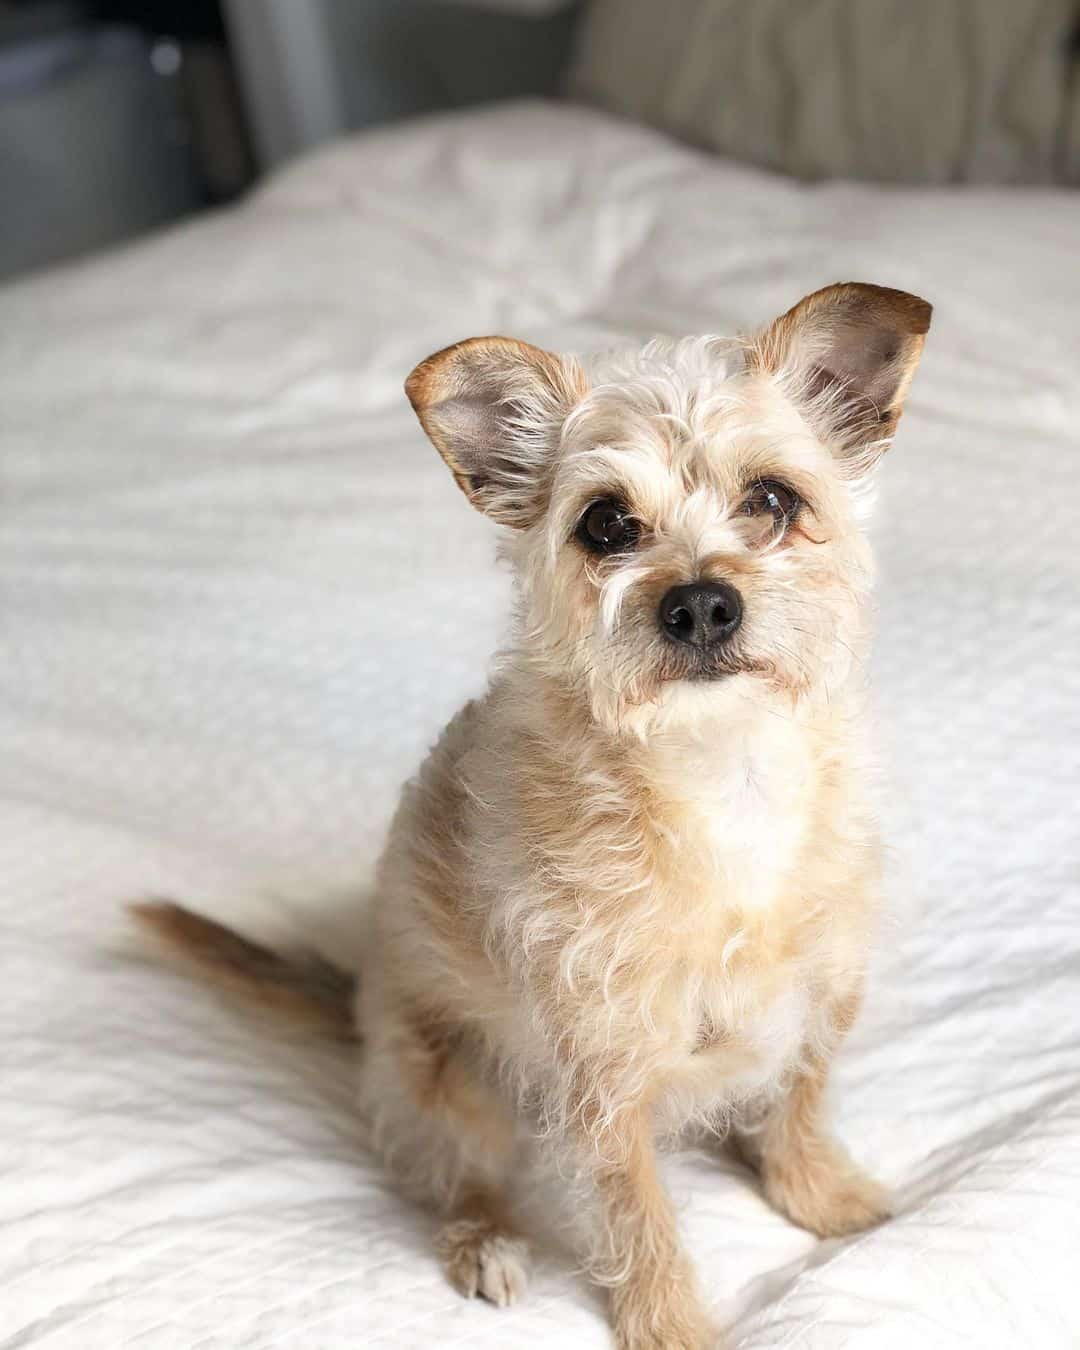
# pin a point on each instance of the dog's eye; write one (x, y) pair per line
(770, 498)
(608, 527)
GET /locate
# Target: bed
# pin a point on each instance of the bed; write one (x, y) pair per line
(216, 510)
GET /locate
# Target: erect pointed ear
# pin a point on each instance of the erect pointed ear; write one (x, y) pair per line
(846, 355)
(493, 408)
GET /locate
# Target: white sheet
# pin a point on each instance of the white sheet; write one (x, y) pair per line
(239, 596)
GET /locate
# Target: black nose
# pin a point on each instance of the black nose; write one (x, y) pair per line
(702, 614)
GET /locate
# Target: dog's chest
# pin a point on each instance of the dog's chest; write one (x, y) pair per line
(734, 829)
(745, 1016)
(732, 868)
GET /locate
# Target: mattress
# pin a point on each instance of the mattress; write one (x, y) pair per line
(240, 595)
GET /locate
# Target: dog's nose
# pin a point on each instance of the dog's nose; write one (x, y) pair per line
(702, 614)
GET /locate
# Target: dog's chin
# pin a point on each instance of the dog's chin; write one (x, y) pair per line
(683, 690)
(691, 698)
(684, 705)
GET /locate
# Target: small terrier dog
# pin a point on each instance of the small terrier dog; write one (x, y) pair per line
(632, 888)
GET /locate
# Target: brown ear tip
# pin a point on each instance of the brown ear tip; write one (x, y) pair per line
(917, 312)
(418, 385)
(912, 311)
(427, 382)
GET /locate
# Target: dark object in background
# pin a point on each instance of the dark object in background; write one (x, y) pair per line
(119, 115)
(108, 129)
(317, 68)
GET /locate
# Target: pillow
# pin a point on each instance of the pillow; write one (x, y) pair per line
(906, 91)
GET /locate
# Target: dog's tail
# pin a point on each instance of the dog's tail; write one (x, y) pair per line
(305, 990)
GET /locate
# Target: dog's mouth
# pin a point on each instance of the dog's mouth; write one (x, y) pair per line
(705, 667)
(710, 673)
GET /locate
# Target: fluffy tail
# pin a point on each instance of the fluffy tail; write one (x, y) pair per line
(306, 990)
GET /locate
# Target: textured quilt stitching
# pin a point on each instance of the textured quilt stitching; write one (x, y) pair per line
(908, 1255)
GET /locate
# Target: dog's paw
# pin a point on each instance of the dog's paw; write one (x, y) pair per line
(678, 1324)
(830, 1196)
(481, 1259)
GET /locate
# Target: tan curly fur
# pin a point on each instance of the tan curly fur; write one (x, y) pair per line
(627, 893)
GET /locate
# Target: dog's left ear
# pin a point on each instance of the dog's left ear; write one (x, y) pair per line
(846, 355)
(493, 408)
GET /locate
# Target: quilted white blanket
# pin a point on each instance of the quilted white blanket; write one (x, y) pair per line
(218, 519)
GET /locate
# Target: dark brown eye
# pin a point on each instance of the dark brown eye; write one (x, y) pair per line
(608, 527)
(771, 498)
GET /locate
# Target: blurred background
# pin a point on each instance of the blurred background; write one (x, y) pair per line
(116, 115)
(119, 115)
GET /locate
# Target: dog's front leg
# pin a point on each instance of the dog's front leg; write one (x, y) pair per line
(805, 1173)
(654, 1300)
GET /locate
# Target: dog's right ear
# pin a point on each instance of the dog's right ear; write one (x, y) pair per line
(846, 355)
(493, 408)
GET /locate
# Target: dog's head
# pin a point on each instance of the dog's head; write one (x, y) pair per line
(685, 519)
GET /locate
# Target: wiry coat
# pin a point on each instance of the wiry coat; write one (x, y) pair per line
(618, 898)
(633, 886)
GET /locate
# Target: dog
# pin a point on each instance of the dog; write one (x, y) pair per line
(633, 888)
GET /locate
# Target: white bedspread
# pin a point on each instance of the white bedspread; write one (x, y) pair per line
(240, 594)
